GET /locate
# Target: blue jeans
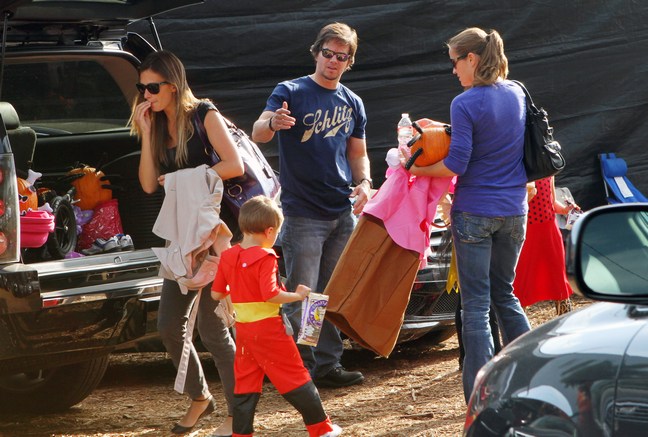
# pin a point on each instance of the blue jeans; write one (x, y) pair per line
(311, 249)
(487, 250)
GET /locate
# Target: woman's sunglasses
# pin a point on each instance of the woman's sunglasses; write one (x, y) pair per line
(341, 57)
(454, 61)
(153, 87)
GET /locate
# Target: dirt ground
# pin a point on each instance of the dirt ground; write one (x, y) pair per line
(416, 392)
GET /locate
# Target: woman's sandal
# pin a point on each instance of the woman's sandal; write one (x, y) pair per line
(179, 429)
(563, 306)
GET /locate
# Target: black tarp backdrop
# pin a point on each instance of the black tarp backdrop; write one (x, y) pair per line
(584, 61)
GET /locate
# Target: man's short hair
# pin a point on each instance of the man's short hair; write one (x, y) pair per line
(338, 31)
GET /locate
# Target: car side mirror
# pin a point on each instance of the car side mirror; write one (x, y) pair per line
(608, 253)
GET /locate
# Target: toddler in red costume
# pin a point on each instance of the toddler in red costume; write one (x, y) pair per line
(248, 273)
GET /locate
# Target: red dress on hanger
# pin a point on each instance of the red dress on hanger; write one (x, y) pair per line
(540, 273)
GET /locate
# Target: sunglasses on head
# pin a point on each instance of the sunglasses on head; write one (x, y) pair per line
(342, 57)
(153, 87)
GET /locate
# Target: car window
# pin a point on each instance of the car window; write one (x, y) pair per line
(67, 96)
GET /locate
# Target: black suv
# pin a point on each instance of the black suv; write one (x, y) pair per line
(68, 71)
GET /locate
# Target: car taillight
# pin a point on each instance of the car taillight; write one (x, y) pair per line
(9, 212)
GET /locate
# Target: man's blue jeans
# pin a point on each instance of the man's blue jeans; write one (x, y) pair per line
(311, 249)
(487, 250)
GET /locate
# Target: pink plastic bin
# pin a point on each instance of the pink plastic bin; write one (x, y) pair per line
(35, 227)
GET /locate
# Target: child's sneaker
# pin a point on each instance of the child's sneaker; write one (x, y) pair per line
(335, 432)
(102, 246)
(125, 242)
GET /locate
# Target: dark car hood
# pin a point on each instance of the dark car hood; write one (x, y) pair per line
(582, 346)
(598, 328)
(554, 363)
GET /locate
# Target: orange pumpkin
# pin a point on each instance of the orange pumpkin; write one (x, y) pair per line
(430, 145)
(27, 196)
(92, 186)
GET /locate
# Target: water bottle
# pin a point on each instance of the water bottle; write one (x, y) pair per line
(404, 130)
(405, 133)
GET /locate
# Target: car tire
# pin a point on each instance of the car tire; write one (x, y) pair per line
(51, 390)
(64, 238)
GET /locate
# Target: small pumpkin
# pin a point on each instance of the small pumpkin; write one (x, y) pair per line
(27, 197)
(92, 186)
(430, 145)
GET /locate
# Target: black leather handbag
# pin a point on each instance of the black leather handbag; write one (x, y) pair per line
(542, 154)
(258, 179)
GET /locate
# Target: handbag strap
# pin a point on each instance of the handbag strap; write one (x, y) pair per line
(235, 131)
(529, 100)
(202, 133)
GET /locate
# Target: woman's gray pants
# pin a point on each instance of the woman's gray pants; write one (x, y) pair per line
(173, 315)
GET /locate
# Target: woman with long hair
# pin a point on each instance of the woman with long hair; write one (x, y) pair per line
(162, 118)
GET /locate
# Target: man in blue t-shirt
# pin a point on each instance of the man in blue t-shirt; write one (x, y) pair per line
(320, 125)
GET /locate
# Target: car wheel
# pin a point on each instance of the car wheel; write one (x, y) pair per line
(64, 238)
(51, 390)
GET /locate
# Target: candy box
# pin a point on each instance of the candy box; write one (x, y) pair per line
(313, 311)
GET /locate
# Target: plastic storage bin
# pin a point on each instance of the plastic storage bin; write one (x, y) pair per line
(35, 227)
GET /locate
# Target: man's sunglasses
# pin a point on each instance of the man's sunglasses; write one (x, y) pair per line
(153, 87)
(341, 57)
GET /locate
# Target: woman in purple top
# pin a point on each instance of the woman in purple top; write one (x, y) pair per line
(489, 208)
